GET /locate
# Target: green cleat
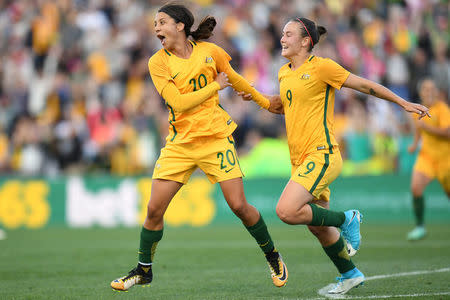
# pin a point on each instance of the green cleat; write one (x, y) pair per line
(417, 233)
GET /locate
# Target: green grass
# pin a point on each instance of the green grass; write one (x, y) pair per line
(220, 262)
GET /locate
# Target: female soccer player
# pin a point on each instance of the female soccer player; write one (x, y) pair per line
(433, 159)
(188, 74)
(307, 86)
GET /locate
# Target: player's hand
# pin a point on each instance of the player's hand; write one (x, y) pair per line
(276, 106)
(419, 109)
(244, 96)
(222, 80)
(412, 148)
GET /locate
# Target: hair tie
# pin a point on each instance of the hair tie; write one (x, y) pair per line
(310, 38)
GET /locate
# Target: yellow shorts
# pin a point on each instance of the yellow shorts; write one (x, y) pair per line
(214, 156)
(433, 168)
(317, 171)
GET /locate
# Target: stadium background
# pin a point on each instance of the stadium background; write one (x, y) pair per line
(81, 126)
(79, 111)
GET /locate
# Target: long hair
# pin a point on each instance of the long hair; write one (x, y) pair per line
(181, 14)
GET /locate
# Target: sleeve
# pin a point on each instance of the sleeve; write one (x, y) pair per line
(221, 57)
(168, 90)
(182, 102)
(332, 73)
(238, 82)
(159, 73)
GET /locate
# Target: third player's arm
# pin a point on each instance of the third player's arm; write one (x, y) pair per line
(372, 88)
(412, 148)
(438, 131)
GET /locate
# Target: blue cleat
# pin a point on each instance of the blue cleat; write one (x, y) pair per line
(350, 230)
(347, 281)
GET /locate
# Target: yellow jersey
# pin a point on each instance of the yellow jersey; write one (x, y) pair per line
(307, 95)
(191, 75)
(434, 146)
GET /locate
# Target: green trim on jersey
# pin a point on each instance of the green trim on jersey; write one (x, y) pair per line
(167, 52)
(311, 58)
(194, 43)
(322, 172)
(170, 122)
(327, 133)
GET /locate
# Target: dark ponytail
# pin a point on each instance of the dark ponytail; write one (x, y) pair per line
(181, 14)
(309, 29)
(321, 30)
(204, 29)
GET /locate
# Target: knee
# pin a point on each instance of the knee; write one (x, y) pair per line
(284, 213)
(416, 190)
(239, 208)
(154, 214)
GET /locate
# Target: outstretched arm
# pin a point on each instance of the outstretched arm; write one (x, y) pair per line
(372, 88)
(241, 85)
(248, 92)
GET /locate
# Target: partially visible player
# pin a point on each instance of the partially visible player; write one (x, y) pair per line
(188, 74)
(433, 160)
(307, 87)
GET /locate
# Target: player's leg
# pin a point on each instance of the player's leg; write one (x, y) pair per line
(218, 159)
(233, 191)
(334, 246)
(151, 233)
(443, 177)
(419, 182)
(172, 170)
(308, 181)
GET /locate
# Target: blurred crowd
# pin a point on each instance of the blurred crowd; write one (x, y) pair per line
(76, 96)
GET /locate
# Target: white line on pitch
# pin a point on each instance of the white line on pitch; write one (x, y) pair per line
(383, 296)
(408, 274)
(324, 291)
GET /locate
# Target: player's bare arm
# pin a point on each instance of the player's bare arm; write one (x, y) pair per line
(372, 88)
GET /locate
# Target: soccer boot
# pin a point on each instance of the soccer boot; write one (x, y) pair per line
(417, 233)
(347, 281)
(139, 275)
(350, 230)
(278, 269)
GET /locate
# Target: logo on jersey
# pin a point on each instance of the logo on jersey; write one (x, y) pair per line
(173, 77)
(229, 121)
(305, 77)
(209, 60)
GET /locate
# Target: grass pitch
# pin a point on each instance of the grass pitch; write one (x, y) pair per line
(218, 262)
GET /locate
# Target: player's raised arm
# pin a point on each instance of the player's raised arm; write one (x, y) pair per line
(372, 88)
